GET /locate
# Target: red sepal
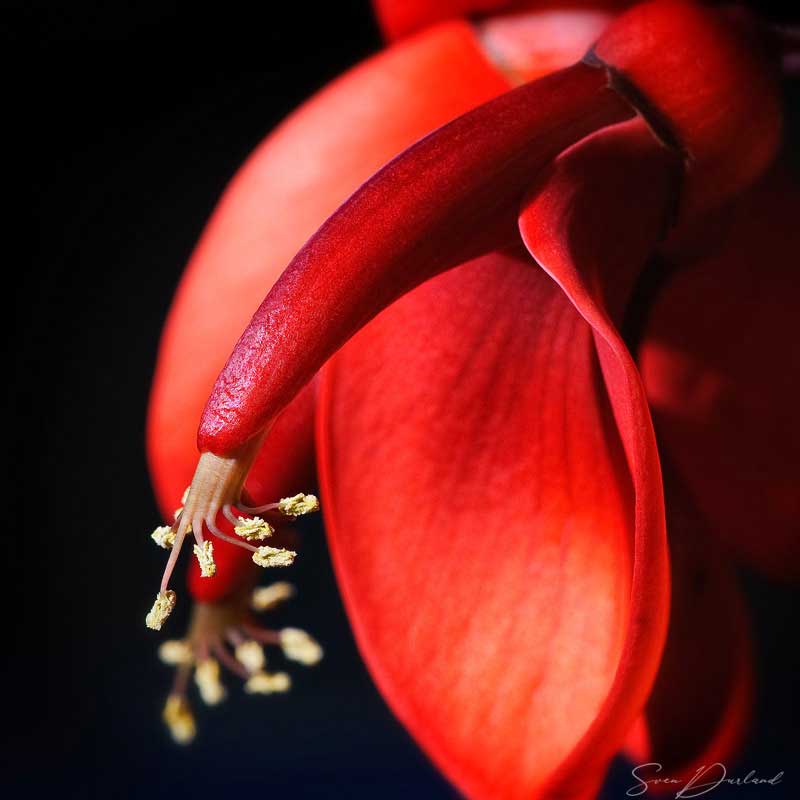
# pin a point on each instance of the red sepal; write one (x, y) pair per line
(704, 88)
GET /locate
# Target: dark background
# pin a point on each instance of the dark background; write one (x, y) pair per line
(124, 127)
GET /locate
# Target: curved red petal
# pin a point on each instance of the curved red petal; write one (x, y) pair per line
(479, 513)
(591, 223)
(450, 197)
(306, 168)
(722, 371)
(701, 704)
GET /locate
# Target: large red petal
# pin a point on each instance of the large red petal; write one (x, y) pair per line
(479, 512)
(701, 704)
(722, 369)
(591, 223)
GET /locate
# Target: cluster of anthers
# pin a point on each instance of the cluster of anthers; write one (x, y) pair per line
(223, 634)
(226, 632)
(216, 487)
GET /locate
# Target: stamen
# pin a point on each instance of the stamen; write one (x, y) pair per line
(268, 683)
(162, 608)
(184, 497)
(206, 676)
(267, 597)
(251, 654)
(274, 557)
(261, 635)
(217, 481)
(289, 506)
(164, 536)
(205, 557)
(255, 529)
(298, 505)
(178, 717)
(180, 535)
(175, 652)
(229, 515)
(297, 645)
(229, 661)
(211, 525)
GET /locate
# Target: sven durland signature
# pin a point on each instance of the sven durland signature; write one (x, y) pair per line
(704, 780)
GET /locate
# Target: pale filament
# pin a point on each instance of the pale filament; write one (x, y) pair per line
(253, 510)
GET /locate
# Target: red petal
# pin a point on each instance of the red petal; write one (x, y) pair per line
(529, 45)
(448, 198)
(722, 371)
(306, 168)
(591, 224)
(399, 18)
(701, 704)
(479, 513)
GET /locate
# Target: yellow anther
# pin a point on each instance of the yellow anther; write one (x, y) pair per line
(175, 653)
(162, 608)
(178, 717)
(267, 597)
(206, 676)
(268, 683)
(163, 536)
(255, 529)
(299, 646)
(274, 557)
(205, 557)
(251, 655)
(298, 505)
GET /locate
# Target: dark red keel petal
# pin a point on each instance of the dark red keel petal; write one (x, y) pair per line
(286, 189)
(722, 369)
(701, 704)
(591, 224)
(306, 168)
(450, 197)
(480, 518)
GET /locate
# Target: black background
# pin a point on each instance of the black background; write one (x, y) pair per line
(124, 127)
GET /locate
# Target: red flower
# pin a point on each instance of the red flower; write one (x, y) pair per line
(489, 473)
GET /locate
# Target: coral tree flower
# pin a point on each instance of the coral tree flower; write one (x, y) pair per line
(446, 347)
